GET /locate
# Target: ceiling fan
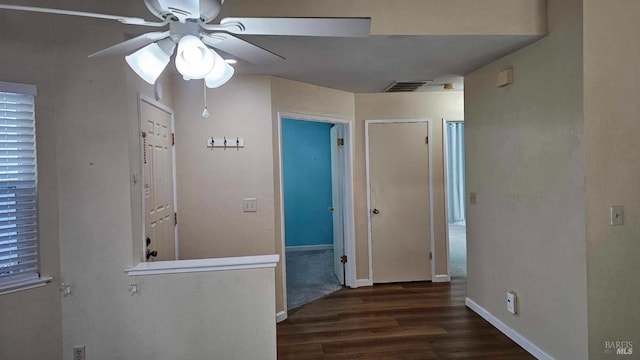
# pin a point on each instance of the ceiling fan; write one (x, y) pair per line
(191, 31)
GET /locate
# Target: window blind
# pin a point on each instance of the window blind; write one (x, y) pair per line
(18, 191)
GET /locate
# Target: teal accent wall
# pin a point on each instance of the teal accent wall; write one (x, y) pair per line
(306, 165)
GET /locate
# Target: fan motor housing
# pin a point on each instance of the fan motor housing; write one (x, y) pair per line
(181, 10)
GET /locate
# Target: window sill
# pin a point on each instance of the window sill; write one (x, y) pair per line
(200, 265)
(24, 285)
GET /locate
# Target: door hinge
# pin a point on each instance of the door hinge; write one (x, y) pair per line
(175, 218)
(340, 141)
(426, 140)
(430, 255)
(173, 138)
(343, 259)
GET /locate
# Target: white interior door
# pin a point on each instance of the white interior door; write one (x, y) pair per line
(399, 190)
(158, 181)
(337, 195)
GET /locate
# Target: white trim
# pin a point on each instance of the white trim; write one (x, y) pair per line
(446, 192)
(281, 316)
(200, 265)
(441, 278)
(151, 101)
(368, 178)
(24, 285)
(349, 233)
(309, 247)
(532, 348)
(18, 88)
(362, 283)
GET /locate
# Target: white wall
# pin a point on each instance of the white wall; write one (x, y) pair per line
(212, 183)
(612, 75)
(525, 161)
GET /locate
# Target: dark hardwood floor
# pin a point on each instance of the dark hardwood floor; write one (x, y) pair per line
(393, 321)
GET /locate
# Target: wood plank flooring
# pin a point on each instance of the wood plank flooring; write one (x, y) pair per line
(393, 321)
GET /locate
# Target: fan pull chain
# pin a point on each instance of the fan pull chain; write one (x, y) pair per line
(205, 113)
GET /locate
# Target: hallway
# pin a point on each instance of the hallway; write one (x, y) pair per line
(393, 321)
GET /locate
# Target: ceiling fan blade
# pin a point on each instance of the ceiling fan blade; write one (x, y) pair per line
(240, 48)
(337, 27)
(132, 44)
(122, 19)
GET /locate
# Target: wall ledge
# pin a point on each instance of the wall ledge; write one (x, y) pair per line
(202, 265)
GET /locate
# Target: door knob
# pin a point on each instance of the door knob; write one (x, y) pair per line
(376, 211)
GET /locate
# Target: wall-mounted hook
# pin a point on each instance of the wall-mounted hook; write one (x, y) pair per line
(65, 289)
(133, 289)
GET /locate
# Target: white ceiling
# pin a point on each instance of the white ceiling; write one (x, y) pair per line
(371, 64)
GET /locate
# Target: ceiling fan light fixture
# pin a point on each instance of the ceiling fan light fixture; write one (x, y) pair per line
(220, 74)
(194, 59)
(149, 62)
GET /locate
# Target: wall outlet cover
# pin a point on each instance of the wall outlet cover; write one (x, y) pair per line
(512, 299)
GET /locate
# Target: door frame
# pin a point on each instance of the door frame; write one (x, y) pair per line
(348, 201)
(368, 178)
(142, 98)
(445, 158)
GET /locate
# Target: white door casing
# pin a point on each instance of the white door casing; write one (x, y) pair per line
(399, 201)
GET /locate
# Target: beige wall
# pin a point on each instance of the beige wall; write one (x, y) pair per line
(304, 99)
(414, 17)
(611, 108)
(525, 160)
(427, 105)
(34, 316)
(212, 183)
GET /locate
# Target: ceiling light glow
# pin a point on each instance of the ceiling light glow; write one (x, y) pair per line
(220, 74)
(194, 59)
(150, 61)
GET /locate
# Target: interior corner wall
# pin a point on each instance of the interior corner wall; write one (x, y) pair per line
(611, 107)
(31, 319)
(211, 183)
(294, 97)
(434, 106)
(525, 161)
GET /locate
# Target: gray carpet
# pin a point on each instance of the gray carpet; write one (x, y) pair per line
(310, 276)
(458, 250)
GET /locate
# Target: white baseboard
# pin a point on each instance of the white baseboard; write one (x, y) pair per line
(281, 316)
(441, 278)
(512, 334)
(309, 247)
(362, 282)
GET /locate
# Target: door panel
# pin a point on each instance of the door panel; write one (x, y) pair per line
(399, 181)
(158, 181)
(337, 194)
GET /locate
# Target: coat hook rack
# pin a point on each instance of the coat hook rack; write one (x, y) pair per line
(225, 143)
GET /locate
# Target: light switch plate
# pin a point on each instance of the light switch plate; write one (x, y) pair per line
(616, 215)
(249, 205)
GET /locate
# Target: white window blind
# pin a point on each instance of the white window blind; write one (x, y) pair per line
(18, 187)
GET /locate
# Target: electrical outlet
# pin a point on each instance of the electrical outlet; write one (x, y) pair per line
(249, 205)
(79, 353)
(512, 302)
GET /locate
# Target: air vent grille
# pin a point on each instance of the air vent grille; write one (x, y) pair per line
(406, 86)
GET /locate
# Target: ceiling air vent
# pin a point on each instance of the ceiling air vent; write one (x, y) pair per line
(406, 86)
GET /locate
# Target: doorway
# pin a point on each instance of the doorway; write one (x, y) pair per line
(160, 241)
(399, 200)
(316, 206)
(453, 135)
